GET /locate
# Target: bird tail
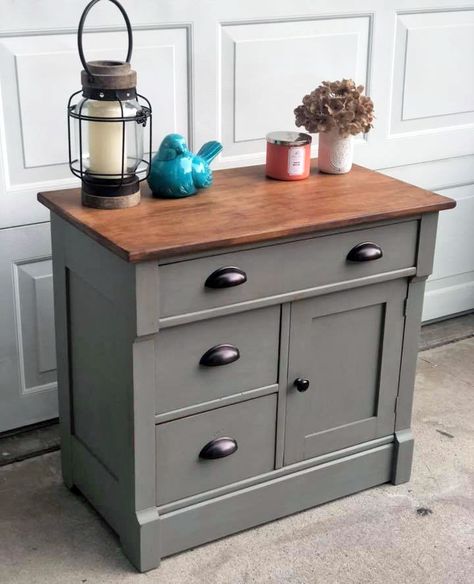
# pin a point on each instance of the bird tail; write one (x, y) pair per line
(210, 150)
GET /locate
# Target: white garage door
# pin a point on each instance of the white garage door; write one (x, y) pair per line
(231, 71)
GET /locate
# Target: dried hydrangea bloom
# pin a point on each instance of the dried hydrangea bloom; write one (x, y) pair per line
(336, 104)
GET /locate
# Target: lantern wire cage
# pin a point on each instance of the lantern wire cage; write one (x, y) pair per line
(76, 164)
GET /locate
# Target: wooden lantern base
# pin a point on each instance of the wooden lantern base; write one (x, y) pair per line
(111, 194)
(121, 202)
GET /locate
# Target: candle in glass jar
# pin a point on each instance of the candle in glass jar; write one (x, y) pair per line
(288, 155)
(106, 152)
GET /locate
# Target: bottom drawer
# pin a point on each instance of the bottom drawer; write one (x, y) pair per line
(181, 472)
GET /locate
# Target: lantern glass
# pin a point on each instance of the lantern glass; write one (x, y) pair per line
(105, 148)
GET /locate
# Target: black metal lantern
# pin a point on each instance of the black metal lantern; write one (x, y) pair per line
(109, 129)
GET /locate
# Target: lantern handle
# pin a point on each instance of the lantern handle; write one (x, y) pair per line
(81, 29)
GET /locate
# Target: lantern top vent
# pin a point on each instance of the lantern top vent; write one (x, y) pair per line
(107, 79)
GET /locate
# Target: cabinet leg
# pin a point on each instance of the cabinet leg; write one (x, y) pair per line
(140, 540)
(403, 457)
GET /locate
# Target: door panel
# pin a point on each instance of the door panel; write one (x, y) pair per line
(348, 345)
(27, 347)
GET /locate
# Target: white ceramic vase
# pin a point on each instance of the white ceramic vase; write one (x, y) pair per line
(335, 152)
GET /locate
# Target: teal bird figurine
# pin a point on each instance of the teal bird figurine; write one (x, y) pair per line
(176, 172)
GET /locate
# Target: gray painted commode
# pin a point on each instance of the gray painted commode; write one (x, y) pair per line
(207, 392)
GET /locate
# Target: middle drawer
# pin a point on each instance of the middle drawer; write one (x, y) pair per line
(211, 359)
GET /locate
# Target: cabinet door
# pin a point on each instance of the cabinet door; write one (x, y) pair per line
(348, 345)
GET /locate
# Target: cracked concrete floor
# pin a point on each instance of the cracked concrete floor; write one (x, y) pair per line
(420, 532)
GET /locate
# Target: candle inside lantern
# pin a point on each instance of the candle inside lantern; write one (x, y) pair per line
(106, 152)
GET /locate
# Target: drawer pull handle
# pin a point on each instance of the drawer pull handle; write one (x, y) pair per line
(365, 252)
(301, 384)
(220, 355)
(226, 277)
(218, 448)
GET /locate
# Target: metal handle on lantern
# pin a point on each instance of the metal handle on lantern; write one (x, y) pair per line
(81, 28)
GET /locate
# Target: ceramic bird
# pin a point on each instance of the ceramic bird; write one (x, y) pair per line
(176, 172)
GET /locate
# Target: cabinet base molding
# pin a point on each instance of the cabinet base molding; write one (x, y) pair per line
(149, 538)
(216, 518)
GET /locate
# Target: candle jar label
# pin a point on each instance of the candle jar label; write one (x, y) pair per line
(296, 160)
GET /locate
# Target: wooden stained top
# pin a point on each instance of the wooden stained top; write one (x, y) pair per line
(244, 207)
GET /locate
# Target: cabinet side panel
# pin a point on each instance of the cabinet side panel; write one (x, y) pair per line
(100, 373)
(107, 385)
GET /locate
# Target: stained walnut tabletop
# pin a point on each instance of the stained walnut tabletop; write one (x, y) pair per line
(244, 207)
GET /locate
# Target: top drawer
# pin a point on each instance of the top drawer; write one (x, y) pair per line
(285, 267)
